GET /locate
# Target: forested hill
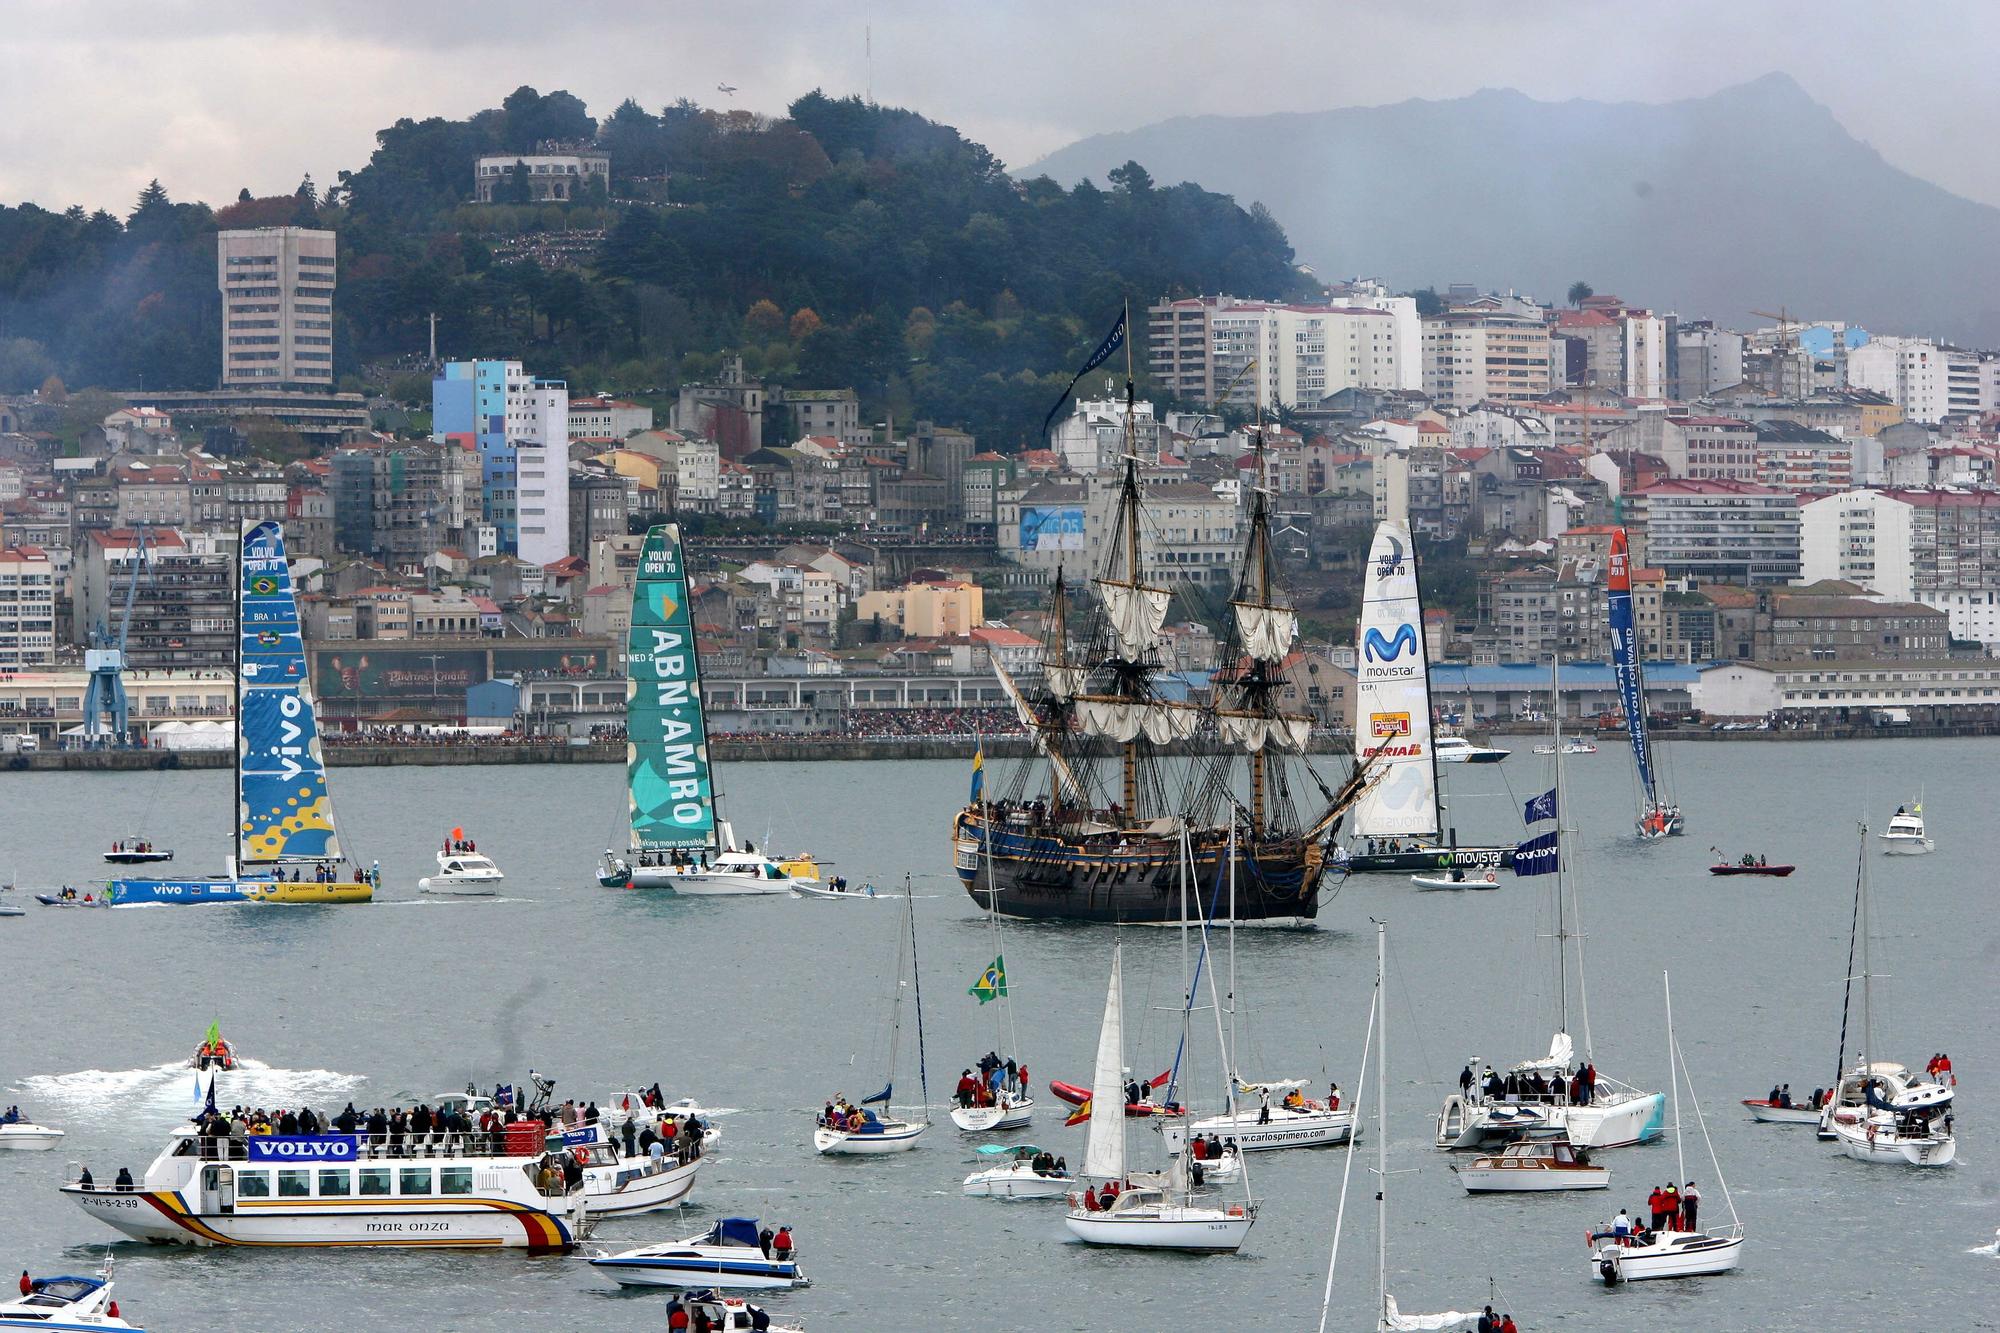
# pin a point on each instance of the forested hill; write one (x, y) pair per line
(843, 244)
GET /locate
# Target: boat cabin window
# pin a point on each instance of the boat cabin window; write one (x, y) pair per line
(294, 1184)
(414, 1180)
(335, 1184)
(455, 1180)
(374, 1180)
(253, 1184)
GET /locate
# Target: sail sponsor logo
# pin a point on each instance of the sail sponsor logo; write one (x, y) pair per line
(1390, 563)
(1410, 750)
(304, 1148)
(1379, 647)
(1389, 724)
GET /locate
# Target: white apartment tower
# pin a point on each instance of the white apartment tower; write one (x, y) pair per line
(277, 307)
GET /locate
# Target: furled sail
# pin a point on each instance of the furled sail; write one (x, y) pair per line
(1136, 611)
(1393, 711)
(284, 813)
(1250, 732)
(669, 787)
(1625, 650)
(1064, 681)
(1126, 720)
(1033, 722)
(1104, 1151)
(1267, 632)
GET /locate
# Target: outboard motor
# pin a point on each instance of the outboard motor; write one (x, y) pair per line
(1607, 1267)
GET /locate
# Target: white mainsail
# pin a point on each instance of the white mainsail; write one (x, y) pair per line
(1136, 611)
(1267, 632)
(1393, 713)
(1104, 1153)
(1395, 1321)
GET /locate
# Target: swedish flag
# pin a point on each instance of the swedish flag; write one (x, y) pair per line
(978, 771)
(992, 983)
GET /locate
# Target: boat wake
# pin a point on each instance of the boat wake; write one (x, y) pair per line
(448, 899)
(166, 1093)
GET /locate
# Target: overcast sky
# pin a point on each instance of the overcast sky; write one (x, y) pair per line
(212, 95)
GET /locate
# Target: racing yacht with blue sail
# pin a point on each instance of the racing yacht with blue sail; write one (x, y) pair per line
(1399, 820)
(286, 843)
(679, 839)
(1659, 817)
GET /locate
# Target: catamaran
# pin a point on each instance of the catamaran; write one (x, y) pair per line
(1399, 817)
(1083, 849)
(1881, 1112)
(1541, 1093)
(1659, 817)
(679, 840)
(287, 845)
(845, 1129)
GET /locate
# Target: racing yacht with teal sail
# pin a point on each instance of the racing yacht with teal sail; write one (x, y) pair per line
(1399, 819)
(679, 839)
(285, 843)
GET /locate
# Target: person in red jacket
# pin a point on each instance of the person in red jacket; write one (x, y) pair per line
(677, 1315)
(1656, 1204)
(27, 1284)
(1507, 1325)
(781, 1244)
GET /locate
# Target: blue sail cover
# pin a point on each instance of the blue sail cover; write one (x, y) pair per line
(283, 810)
(1625, 663)
(667, 778)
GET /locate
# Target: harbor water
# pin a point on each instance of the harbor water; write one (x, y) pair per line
(763, 1008)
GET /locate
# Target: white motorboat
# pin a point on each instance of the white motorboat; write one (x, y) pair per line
(1008, 1112)
(1459, 750)
(1138, 1216)
(1906, 835)
(1024, 1172)
(137, 852)
(1896, 1117)
(844, 1129)
(65, 1303)
(729, 1314)
(837, 888)
(1611, 1114)
(729, 1254)
(462, 870)
(1458, 879)
(728, 873)
(27, 1136)
(1281, 1123)
(1574, 745)
(1672, 1252)
(1533, 1166)
(346, 1190)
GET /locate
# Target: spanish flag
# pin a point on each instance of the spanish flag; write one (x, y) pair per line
(978, 771)
(1079, 1115)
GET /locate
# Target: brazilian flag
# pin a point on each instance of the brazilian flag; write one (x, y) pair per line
(992, 983)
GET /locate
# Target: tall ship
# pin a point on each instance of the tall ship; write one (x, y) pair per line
(285, 842)
(1090, 830)
(1399, 820)
(679, 839)
(1659, 817)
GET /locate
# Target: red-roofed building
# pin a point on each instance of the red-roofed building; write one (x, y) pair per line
(27, 608)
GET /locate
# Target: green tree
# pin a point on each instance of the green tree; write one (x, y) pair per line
(1579, 292)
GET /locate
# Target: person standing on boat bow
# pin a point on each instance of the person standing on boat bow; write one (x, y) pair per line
(1690, 1207)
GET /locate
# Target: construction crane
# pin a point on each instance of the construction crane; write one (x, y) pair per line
(107, 716)
(1787, 353)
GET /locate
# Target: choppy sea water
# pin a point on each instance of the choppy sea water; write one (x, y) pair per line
(770, 1005)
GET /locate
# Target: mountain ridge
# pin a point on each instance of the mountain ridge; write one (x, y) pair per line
(1751, 197)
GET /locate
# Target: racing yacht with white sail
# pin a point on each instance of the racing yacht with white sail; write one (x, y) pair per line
(679, 840)
(1541, 1093)
(1659, 817)
(858, 1130)
(1399, 823)
(285, 845)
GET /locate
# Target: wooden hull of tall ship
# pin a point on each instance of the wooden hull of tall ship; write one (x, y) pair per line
(1130, 877)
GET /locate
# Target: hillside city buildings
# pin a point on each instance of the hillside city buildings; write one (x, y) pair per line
(277, 288)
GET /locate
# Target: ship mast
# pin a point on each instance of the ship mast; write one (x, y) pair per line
(1129, 503)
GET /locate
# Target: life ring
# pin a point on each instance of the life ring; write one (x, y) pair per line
(582, 1156)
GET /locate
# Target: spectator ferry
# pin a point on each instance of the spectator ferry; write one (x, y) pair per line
(475, 1191)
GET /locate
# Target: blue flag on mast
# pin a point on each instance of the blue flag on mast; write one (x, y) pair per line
(1537, 856)
(1540, 807)
(1112, 342)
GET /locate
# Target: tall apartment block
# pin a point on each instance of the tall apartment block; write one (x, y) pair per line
(520, 427)
(277, 307)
